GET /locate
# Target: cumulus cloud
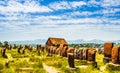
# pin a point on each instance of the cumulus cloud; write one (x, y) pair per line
(18, 19)
(27, 6)
(66, 5)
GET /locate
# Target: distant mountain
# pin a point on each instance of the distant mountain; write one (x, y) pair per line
(43, 41)
(37, 41)
(76, 41)
(95, 41)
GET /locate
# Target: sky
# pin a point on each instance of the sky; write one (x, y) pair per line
(69, 19)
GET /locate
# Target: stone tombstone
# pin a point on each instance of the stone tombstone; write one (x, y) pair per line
(85, 54)
(116, 55)
(10, 47)
(15, 46)
(19, 48)
(108, 49)
(23, 50)
(38, 48)
(3, 51)
(31, 48)
(91, 55)
(70, 50)
(42, 48)
(80, 54)
(71, 60)
(64, 51)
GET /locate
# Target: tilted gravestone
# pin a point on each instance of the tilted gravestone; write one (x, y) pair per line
(116, 55)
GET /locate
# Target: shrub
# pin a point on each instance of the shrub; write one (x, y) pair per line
(34, 59)
(38, 64)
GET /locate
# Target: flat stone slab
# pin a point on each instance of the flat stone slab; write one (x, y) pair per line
(115, 65)
(82, 66)
(50, 69)
(25, 68)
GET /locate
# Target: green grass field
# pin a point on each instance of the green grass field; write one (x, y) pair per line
(30, 62)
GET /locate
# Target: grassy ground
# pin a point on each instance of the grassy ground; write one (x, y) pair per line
(21, 63)
(30, 62)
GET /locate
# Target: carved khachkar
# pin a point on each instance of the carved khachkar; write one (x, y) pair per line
(64, 51)
(81, 54)
(71, 60)
(91, 55)
(15, 46)
(70, 50)
(3, 51)
(85, 54)
(19, 48)
(108, 49)
(116, 55)
(10, 47)
(38, 48)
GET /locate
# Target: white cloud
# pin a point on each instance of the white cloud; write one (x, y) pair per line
(76, 4)
(109, 3)
(59, 5)
(28, 6)
(66, 5)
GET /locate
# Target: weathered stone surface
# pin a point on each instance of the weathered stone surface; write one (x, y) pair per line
(19, 48)
(85, 54)
(106, 59)
(108, 49)
(64, 51)
(38, 48)
(81, 54)
(91, 55)
(116, 55)
(71, 60)
(70, 50)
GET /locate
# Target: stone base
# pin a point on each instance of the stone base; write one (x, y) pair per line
(106, 60)
(115, 65)
(94, 64)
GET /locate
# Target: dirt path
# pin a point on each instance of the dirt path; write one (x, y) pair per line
(50, 69)
(102, 68)
(10, 58)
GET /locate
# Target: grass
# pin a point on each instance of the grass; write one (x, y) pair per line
(27, 60)
(32, 60)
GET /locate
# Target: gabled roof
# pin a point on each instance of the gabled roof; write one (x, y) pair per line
(57, 40)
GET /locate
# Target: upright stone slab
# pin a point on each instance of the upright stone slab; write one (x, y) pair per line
(71, 60)
(81, 54)
(70, 50)
(108, 49)
(116, 55)
(91, 55)
(85, 54)
(19, 48)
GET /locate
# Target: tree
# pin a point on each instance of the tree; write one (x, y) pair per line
(5, 42)
(0, 44)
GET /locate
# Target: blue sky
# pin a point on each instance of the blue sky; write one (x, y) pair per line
(69, 19)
